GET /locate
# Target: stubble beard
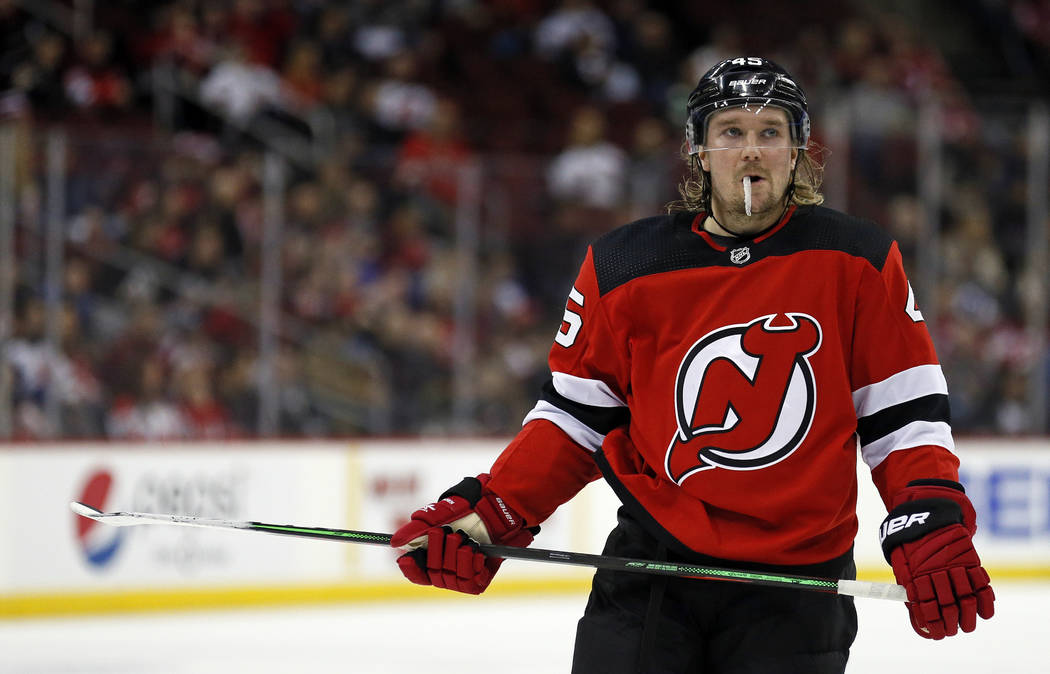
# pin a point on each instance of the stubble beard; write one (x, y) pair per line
(764, 209)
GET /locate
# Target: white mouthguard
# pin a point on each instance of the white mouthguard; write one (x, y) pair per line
(747, 194)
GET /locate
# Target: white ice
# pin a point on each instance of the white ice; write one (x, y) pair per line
(468, 634)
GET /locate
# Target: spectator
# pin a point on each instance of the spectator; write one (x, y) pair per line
(432, 160)
(262, 29)
(598, 70)
(572, 21)
(139, 341)
(43, 376)
(340, 96)
(650, 172)
(382, 29)
(39, 77)
(94, 82)
(398, 102)
(407, 244)
(590, 171)
(302, 76)
(181, 41)
(78, 287)
(654, 55)
(1011, 411)
(240, 88)
(856, 45)
(725, 42)
(334, 37)
(206, 418)
(207, 256)
(879, 111)
(148, 415)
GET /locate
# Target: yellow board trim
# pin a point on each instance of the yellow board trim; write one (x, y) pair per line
(189, 599)
(1006, 572)
(95, 603)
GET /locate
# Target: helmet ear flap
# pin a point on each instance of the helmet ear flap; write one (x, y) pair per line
(804, 129)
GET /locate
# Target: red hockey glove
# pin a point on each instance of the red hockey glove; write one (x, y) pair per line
(445, 535)
(927, 537)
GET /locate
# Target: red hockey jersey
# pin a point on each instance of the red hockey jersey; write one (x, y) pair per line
(723, 391)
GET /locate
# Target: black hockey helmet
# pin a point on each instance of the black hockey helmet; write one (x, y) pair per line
(747, 81)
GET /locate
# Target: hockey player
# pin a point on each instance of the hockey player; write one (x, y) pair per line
(719, 367)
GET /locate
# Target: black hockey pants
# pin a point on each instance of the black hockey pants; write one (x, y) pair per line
(663, 625)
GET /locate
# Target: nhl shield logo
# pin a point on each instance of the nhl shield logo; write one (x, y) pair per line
(740, 255)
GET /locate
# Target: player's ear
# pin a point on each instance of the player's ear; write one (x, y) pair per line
(794, 158)
(704, 164)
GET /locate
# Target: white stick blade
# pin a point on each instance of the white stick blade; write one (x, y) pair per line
(112, 519)
(84, 510)
(129, 519)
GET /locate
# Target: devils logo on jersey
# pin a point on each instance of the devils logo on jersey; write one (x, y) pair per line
(745, 396)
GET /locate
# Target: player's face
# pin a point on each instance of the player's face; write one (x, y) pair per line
(742, 142)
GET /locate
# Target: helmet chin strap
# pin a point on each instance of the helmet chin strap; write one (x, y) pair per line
(788, 193)
(743, 235)
(711, 214)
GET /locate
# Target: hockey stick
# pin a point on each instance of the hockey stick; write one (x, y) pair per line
(829, 585)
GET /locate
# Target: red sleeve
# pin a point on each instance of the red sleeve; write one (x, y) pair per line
(586, 346)
(890, 334)
(550, 459)
(900, 468)
(899, 390)
(541, 469)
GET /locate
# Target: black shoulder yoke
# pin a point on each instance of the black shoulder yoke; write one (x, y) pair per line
(819, 228)
(667, 243)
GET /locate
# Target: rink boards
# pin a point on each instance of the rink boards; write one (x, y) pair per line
(52, 562)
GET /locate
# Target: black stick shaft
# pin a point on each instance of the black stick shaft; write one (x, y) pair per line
(829, 585)
(581, 559)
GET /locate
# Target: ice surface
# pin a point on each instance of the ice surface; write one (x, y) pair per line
(399, 636)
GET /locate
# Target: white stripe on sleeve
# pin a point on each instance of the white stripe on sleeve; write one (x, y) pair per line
(910, 435)
(916, 382)
(581, 433)
(592, 392)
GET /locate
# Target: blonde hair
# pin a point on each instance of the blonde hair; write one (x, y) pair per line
(695, 188)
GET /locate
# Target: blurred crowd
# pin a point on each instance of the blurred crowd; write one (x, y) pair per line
(462, 156)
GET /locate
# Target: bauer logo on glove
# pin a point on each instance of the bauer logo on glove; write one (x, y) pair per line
(892, 526)
(928, 539)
